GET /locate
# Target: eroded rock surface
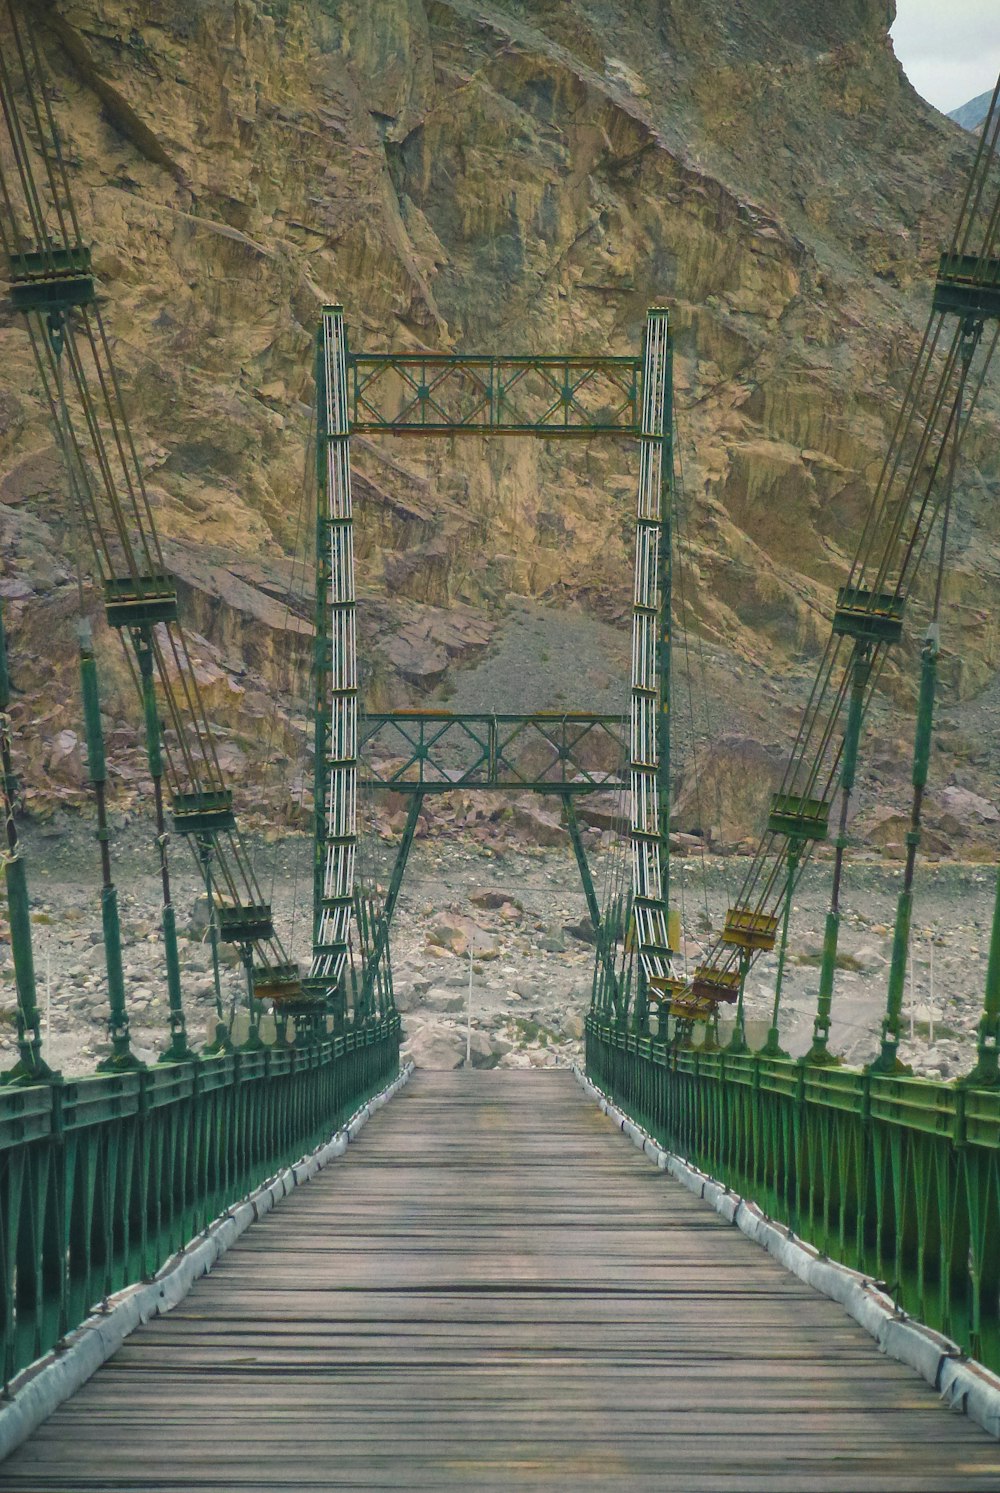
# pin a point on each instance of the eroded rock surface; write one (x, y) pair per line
(491, 175)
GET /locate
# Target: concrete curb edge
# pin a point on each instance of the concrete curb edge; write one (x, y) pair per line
(45, 1385)
(966, 1386)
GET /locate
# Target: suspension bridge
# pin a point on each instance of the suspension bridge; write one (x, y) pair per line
(488, 1289)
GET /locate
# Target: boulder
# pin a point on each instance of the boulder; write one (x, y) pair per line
(197, 927)
(436, 1047)
(451, 935)
(65, 758)
(886, 826)
(538, 825)
(492, 900)
(437, 999)
(606, 811)
(729, 800)
(583, 930)
(484, 1051)
(458, 935)
(968, 807)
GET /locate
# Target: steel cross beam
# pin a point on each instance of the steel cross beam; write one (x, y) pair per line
(439, 394)
(424, 751)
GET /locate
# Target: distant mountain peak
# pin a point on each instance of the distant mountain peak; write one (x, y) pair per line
(971, 115)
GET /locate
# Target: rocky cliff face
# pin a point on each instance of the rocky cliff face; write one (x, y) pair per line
(510, 175)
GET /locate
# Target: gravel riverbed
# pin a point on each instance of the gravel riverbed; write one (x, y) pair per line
(511, 915)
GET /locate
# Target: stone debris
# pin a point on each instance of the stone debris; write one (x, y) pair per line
(520, 910)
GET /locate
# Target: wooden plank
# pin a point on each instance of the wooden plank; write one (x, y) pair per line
(491, 1291)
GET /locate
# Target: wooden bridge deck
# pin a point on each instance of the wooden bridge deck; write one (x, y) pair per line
(492, 1291)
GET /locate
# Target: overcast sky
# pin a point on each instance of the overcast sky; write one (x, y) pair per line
(950, 49)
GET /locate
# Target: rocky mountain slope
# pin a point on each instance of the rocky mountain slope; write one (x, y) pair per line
(492, 175)
(972, 115)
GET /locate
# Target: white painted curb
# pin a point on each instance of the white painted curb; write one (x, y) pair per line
(966, 1385)
(44, 1385)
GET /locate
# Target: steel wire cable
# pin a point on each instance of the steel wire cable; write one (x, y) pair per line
(53, 134)
(120, 430)
(296, 589)
(43, 137)
(686, 607)
(985, 153)
(22, 162)
(887, 527)
(49, 372)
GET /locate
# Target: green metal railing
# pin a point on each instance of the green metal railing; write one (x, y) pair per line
(897, 1177)
(103, 1178)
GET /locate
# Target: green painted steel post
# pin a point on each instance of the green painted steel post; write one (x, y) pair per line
(178, 1050)
(30, 1067)
(887, 1061)
(121, 1055)
(772, 1047)
(389, 906)
(593, 906)
(738, 1041)
(4, 672)
(860, 672)
(583, 866)
(640, 1006)
(221, 1042)
(321, 645)
(986, 1073)
(665, 580)
(254, 1041)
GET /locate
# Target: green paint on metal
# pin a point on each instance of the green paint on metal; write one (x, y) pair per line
(870, 617)
(820, 1051)
(860, 673)
(244, 922)
(583, 866)
(121, 1056)
(437, 751)
(772, 1047)
(897, 1177)
(798, 817)
(220, 1042)
(30, 1067)
(321, 646)
(52, 262)
(209, 812)
(664, 570)
(52, 297)
(177, 1050)
(443, 394)
(887, 1061)
(96, 765)
(110, 1175)
(968, 285)
(4, 675)
(925, 710)
(140, 601)
(380, 943)
(737, 1044)
(604, 952)
(986, 1073)
(639, 1019)
(150, 711)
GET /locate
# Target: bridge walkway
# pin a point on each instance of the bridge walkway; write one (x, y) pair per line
(492, 1291)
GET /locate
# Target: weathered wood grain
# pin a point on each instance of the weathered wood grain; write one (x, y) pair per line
(491, 1291)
